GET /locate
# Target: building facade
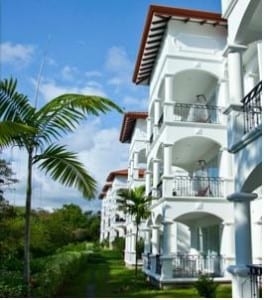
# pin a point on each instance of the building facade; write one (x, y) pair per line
(243, 56)
(200, 145)
(133, 131)
(113, 222)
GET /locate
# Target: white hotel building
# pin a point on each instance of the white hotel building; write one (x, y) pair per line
(203, 144)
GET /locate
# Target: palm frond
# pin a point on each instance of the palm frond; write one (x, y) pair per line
(14, 106)
(64, 167)
(135, 203)
(11, 133)
(65, 112)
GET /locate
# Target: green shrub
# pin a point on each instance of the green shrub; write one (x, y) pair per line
(76, 247)
(205, 286)
(57, 269)
(11, 284)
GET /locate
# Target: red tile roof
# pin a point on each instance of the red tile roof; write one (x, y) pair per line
(111, 177)
(155, 26)
(128, 125)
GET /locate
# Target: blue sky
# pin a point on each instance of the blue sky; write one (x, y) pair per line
(89, 46)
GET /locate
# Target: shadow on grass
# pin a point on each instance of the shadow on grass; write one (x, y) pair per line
(105, 276)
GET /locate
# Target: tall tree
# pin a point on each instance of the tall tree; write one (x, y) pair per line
(50, 122)
(134, 202)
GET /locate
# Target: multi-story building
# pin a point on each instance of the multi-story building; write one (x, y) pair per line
(202, 149)
(244, 61)
(133, 131)
(189, 170)
(113, 223)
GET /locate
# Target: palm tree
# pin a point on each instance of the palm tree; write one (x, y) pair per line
(53, 120)
(135, 203)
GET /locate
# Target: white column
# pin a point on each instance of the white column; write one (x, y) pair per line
(132, 168)
(155, 240)
(168, 87)
(259, 47)
(136, 155)
(242, 226)
(149, 125)
(147, 241)
(168, 106)
(148, 182)
(223, 94)
(133, 242)
(173, 237)
(235, 71)
(167, 229)
(156, 117)
(167, 161)
(227, 243)
(156, 168)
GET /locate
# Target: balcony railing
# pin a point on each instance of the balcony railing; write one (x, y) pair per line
(255, 273)
(198, 186)
(252, 108)
(194, 265)
(200, 113)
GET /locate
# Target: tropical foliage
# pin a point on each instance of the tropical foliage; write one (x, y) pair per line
(56, 252)
(46, 126)
(134, 202)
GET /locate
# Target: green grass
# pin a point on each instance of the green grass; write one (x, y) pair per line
(106, 276)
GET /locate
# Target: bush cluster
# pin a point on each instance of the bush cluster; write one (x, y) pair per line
(57, 269)
(205, 286)
(52, 236)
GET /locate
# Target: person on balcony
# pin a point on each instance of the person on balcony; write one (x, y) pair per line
(199, 112)
(201, 185)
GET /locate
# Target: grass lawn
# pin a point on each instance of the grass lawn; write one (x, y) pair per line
(106, 276)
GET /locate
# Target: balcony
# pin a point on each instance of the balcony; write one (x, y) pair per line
(187, 266)
(252, 110)
(245, 121)
(198, 113)
(187, 186)
(198, 186)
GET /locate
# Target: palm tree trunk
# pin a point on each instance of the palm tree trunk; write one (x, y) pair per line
(27, 226)
(136, 269)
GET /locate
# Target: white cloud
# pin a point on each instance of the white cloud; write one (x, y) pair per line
(16, 54)
(117, 60)
(50, 89)
(69, 73)
(120, 66)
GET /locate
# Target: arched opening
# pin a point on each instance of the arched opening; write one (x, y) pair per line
(205, 233)
(196, 173)
(199, 82)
